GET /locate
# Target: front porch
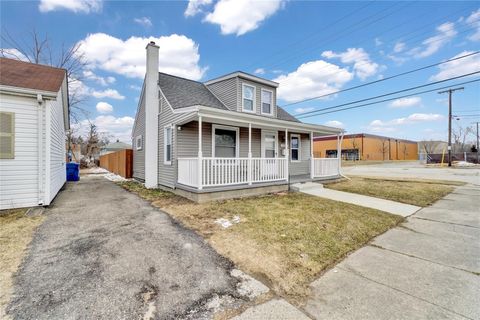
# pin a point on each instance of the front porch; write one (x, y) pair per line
(233, 154)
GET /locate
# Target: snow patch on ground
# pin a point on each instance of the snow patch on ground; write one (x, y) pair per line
(248, 286)
(225, 223)
(113, 177)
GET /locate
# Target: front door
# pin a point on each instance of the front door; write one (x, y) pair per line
(269, 151)
(269, 144)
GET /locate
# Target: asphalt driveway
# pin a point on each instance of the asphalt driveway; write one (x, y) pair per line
(104, 253)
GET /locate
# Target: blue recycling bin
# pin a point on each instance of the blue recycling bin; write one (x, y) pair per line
(73, 171)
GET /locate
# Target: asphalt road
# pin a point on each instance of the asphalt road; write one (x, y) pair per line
(104, 253)
(415, 170)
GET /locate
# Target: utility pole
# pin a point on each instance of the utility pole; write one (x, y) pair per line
(450, 91)
(477, 140)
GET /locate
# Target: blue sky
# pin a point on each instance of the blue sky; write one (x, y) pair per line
(310, 47)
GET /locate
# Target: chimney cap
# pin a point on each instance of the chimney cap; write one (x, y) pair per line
(152, 42)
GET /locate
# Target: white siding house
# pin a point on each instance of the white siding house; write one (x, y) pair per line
(33, 122)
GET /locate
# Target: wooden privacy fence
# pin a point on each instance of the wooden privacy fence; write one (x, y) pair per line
(119, 162)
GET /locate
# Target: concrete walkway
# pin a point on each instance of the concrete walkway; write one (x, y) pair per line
(427, 268)
(393, 207)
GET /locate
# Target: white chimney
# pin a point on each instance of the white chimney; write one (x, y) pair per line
(151, 117)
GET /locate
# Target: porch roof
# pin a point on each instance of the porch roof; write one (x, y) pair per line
(209, 114)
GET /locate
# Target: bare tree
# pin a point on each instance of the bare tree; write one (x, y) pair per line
(430, 146)
(92, 142)
(39, 50)
(384, 146)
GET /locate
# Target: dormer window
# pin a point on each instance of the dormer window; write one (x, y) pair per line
(267, 102)
(248, 95)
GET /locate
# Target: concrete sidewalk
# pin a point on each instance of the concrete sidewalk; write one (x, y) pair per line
(426, 268)
(393, 207)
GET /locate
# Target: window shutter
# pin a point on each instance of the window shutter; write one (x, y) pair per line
(7, 135)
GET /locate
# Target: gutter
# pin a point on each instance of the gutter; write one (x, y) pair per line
(250, 118)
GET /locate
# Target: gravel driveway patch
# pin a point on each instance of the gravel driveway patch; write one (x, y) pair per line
(104, 253)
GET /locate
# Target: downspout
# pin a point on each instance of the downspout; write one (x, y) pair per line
(40, 188)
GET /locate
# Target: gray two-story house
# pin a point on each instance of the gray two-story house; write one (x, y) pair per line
(222, 138)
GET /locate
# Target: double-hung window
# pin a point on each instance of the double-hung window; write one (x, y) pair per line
(7, 135)
(225, 142)
(248, 98)
(267, 102)
(295, 147)
(167, 145)
(139, 142)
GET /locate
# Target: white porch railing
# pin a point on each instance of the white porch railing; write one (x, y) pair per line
(326, 167)
(230, 171)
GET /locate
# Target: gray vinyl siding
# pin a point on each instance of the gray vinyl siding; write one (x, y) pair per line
(139, 155)
(303, 166)
(258, 95)
(187, 143)
(226, 92)
(167, 173)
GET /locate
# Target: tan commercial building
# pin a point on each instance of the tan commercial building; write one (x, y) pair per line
(364, 146)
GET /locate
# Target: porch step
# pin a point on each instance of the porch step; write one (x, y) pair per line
(299, 187)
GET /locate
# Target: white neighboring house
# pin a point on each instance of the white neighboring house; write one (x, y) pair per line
(34, 118)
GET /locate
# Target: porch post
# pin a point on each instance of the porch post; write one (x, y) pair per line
(312, 161)
(249, 169)
(286, 153)
(200, 155)
(339, 151)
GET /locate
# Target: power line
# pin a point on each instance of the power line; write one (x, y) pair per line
(367, 62)
(391, 99)
(336, 37)
(388, 94)
(384, 79)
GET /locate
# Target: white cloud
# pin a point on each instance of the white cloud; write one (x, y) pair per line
(196, 6)
(406, 102)
(411, 119)
(104, 81)
(120, 128)
(259, 71)
(362, 64)
(13, 54)
(303, 110)
(178, 55)
(135, 87)
(474, 21)
(445, 33)
(399, 47)
(103, 107)
(83, 6)
(108, 93)
(335, 123)
(378, 42)
(312, 79)
(458, 67)
(144, 21)
(241, 16)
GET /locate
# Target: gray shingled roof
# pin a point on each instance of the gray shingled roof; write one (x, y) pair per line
(183, 93)
(284, 115)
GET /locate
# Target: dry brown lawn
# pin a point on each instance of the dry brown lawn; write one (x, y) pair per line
(285, 240)
(16, 232)
(420, 193)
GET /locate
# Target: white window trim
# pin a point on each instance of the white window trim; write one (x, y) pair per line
(139, 137)
(265, 132)
(165, 144)
(237, 139)
(295, 135)
(271, 102)
(11, 135)
(254, 98)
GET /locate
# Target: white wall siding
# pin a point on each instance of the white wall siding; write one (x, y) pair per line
(58, 172)
(19, 177)
(166, 172)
